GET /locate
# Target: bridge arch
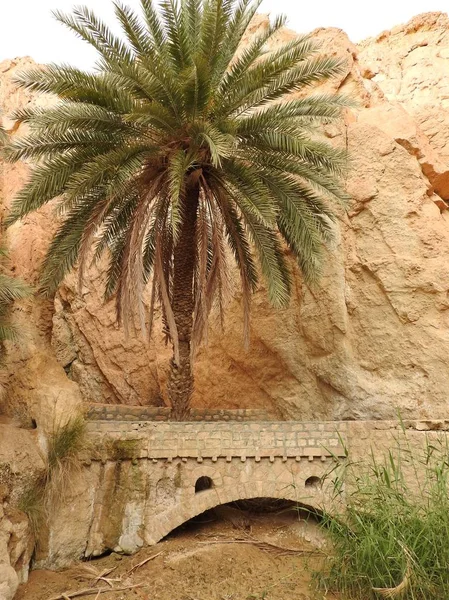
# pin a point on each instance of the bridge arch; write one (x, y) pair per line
(163, 467)
(187, 509)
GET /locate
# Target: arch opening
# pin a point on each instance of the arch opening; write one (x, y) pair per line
(176, 516)
(218, 535)
(313, 482)
(203, 483)
(251, 516)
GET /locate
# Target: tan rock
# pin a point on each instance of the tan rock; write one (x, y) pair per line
(20, 463)
(410, 65)
(9, 582)
(108, 368)
(370, 339)
(40, 393)
(396, 122)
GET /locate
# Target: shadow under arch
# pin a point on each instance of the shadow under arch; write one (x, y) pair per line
(188, 508)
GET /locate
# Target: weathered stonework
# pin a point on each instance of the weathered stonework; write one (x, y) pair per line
(138, 479)
(124, 412)
(212, 440)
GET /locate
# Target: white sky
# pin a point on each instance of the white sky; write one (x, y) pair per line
(28, 28)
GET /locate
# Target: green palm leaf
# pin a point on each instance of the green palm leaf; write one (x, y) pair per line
(11, 290)
(182, 141)
(3, 137)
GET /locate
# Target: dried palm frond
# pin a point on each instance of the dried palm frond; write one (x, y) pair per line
(179, 122)
(398, 590)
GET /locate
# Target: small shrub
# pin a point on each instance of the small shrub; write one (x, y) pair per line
(61, 461)
(32, 503)
(392, 538)
(66, 442)
(11, 290)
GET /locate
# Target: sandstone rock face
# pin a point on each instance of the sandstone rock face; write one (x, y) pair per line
(371, 339)
(9, 582)
(20, 464)
(41, 394)
(409, 64)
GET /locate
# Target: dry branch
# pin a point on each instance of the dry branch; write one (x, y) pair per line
(92, 591)
(95, 576)
(144, 562)
(104, 574)
(265, 546)
(395, 592)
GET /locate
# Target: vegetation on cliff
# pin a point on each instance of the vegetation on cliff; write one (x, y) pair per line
(11, 289)
(391, 538)
(61, 463)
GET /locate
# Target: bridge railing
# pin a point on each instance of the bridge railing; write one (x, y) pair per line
(123, 412)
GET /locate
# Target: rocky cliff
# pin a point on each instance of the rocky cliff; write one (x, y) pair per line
(371, 338)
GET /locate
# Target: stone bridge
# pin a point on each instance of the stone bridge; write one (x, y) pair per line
(141, 479)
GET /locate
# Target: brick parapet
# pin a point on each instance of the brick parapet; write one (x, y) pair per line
(201, 440)
(118, 439)
(123, 412)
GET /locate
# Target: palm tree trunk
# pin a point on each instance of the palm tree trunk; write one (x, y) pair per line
(180, 381)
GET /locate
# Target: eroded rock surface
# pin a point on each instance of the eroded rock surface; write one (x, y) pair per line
(20, 464)
(370, 340)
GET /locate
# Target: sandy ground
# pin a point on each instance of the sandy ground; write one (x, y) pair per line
(198, 562)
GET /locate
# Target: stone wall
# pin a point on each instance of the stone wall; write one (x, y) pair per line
(137, 482)
(202, 440)
(124, 412)
(138, 478)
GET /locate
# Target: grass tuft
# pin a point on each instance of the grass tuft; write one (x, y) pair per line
(61, 462)
(32, 503)
(64, 446)
(392, 538)
(66, 442)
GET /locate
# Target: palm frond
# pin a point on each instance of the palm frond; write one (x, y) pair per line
(179, 165)
(154, 24)
(86, 25)
(3, 137)
(105, 89)
(241, 66)
(180, 123)
(134, 30)
(12, 289)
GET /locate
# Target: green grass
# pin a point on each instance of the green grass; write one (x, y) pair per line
(392, 538)
(65, 442)
(64, 446)
(62, 461)
(32, 503)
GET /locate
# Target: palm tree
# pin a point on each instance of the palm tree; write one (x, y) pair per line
(3, 137)
(11, 289)
(175, 147)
